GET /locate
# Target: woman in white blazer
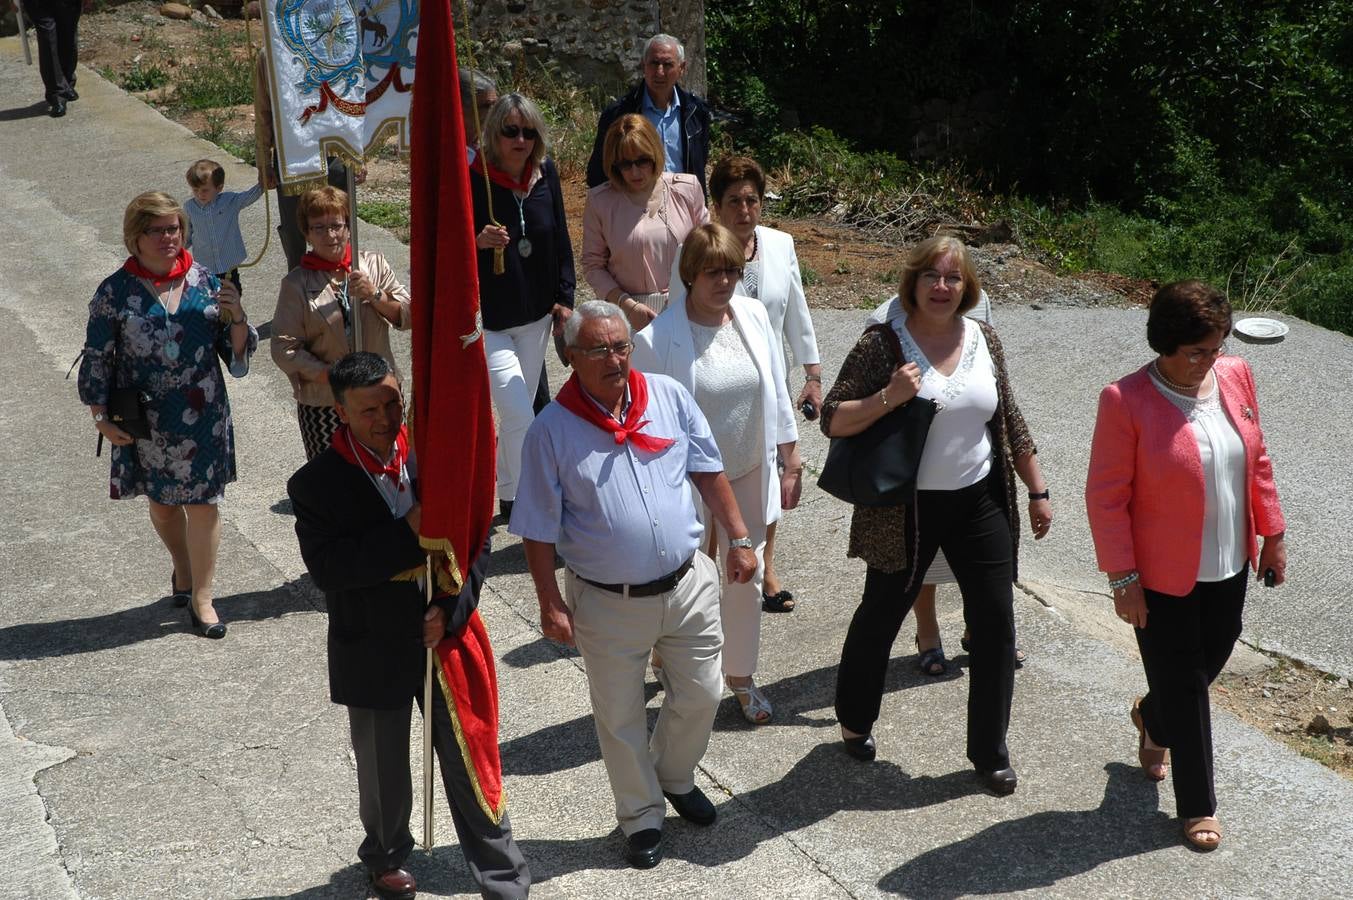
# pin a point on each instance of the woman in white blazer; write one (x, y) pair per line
(722, 348)
(771, 275)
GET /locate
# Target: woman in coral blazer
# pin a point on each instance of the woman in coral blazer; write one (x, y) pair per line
(1180, 485)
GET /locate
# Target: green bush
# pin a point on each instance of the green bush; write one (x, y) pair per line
(385, 213)
(139, 79)
(219, 80)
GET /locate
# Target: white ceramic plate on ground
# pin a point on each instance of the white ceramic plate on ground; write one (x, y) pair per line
(1261, 329)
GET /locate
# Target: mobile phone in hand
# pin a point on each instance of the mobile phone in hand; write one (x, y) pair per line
(1270, 578)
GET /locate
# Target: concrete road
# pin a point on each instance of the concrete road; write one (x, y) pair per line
(138, 760)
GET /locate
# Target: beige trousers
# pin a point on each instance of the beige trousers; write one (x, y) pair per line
(615, 634)
(740, 604)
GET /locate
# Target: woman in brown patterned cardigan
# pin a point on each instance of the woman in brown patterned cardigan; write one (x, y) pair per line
(965, 501)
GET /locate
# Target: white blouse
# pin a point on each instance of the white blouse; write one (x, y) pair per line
(728, 392)
(958, 449)
(1223, 456)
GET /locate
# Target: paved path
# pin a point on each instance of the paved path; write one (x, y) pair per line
(137, 760)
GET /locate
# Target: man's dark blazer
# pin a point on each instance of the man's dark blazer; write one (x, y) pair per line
(694, 132)
(353, 547)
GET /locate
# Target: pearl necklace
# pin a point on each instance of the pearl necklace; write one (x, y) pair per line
(1175, 386)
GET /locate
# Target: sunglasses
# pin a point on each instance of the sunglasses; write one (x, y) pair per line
(625, 165)
(512, 131)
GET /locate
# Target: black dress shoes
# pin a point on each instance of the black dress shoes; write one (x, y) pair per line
(1001, 781)
(643, 849)
(56, 108)
(396, 884)
(70, 95)
(862, 748)
(693, 806)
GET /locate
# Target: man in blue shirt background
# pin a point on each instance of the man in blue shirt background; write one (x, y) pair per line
(682, 119)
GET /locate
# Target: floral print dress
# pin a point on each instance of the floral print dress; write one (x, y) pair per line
(176, 361)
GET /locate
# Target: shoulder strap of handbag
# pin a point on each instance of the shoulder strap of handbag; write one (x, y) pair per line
(893, 340)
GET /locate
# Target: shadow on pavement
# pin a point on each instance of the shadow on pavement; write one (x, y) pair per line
(32, 111)
(1039, 850)
(539, 652)
(43, 640)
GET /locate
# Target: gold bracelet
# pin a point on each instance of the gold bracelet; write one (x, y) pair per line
(883, 395)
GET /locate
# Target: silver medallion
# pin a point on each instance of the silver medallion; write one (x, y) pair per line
(171, 349)
(524, 247)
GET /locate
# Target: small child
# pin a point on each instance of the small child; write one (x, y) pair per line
(214, 215)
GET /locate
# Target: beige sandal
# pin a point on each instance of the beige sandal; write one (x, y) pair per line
(1194, 829)
(1154, 762)
(755, 707)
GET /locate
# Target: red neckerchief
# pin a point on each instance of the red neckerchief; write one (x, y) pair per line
(571, 398)
(501, 178)
(344, 443)
(182, 263)
(317, 263)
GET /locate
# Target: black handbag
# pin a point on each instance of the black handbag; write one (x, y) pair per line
(877, 467)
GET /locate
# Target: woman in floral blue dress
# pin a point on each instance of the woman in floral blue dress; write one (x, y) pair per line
(163, 325)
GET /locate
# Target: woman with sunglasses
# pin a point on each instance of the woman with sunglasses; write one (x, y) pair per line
(1179, 488)
(163, 325)
(535, 289)
(634, 224)
(312, 324)
(722, 348)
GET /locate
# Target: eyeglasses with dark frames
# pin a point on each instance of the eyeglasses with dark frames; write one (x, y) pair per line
(621, 349)
(335, 228)
(511, 132)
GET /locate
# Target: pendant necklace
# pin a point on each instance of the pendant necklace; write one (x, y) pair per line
(524, 247)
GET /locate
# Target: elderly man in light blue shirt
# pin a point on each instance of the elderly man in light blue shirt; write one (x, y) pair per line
(609, 475)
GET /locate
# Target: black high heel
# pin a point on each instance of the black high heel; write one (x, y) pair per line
(180, 598)
(215, 631)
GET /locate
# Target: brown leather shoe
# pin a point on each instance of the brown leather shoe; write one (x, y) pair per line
(395, 884)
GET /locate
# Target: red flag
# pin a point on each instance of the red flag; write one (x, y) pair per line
(453, 418)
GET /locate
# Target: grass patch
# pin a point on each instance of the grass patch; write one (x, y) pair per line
(390, 214)
(218, 80)
(143, 78)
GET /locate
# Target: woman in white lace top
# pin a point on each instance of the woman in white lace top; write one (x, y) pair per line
(720, 346)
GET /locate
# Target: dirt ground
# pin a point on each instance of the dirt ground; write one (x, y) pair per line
(843, 268)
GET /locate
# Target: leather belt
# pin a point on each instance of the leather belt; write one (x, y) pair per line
(657, 586)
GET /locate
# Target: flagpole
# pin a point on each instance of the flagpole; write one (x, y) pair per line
(356, 310)
(23, 32)
(427, 728)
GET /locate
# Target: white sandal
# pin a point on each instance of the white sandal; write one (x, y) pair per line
(755, 706)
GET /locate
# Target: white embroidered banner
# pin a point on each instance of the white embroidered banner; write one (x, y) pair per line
(341, 77)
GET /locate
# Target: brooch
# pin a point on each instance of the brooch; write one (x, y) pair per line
(1247, 412)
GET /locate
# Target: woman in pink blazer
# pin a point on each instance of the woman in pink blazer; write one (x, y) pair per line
(1180, 485)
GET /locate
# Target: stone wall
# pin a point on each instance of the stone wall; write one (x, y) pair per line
(594, 43)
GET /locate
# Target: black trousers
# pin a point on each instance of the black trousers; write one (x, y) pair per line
(380, 742)
(1184, 646)
(971, 527)
(56, 23)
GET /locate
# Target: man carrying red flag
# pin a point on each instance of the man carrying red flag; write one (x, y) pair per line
(606, 478)
(357, 519)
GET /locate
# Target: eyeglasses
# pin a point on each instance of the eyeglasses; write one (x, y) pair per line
(620, 348)
(159, 231)
(624, 165)
(732, 273)
(932, 277)
(336, 228)
(1196, 356)
(511, 132)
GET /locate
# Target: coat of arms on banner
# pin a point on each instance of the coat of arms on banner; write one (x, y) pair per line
(341, 74)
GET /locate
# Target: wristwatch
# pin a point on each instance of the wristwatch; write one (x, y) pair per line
(742, 543)
(99, 417)
(1044, 494)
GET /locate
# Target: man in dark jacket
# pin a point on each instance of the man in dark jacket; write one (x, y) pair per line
(357, 519)
(682, 119)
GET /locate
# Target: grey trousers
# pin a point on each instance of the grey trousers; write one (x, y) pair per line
(380, 741)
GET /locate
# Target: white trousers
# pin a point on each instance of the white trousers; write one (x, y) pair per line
(615, 634)
(514, 358)
(740, 604)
